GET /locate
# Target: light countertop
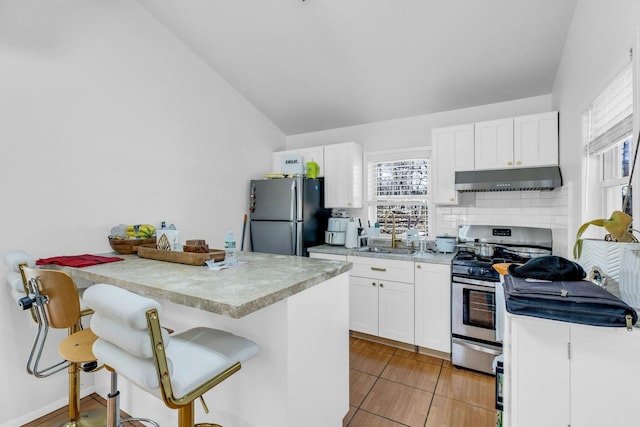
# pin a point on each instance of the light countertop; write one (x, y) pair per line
(435, 257)
(234, 292)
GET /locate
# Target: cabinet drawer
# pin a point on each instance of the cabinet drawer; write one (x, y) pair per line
(332, 257)
(384, 269)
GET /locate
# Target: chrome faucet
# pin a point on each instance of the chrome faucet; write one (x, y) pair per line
(393, 227)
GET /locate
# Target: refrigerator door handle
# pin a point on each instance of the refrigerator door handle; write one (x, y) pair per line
(298, 235)
(297, 197)
(252, 198)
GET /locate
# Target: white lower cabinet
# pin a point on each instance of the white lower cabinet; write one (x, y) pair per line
(381, 298)
(562, 374)
(433, 306)
(363, 305)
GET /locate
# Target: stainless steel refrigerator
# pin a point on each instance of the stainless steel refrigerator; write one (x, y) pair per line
(287, 215)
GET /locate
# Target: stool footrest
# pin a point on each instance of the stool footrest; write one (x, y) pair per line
(142, 420)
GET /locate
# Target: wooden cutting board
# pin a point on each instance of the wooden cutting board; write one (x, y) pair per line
(189, 258)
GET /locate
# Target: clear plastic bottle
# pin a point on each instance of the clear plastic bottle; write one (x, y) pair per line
(229, 249)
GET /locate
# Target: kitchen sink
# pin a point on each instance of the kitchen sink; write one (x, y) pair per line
(385, 250)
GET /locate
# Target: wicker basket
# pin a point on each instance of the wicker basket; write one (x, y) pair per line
(129, 246)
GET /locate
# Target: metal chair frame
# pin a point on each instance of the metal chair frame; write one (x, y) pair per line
(38, 302)
(59, 314)
(184, 404)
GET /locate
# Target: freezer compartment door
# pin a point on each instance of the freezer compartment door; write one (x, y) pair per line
(316, 218)
(275, 199)
(276, 237)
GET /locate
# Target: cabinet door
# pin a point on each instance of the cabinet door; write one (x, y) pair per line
(433, 306)
(538, 369)
(452, 150)
(363, 305)
(313, 154)
(343, 175)
(396, 311)
(604, 376)
(276, 159)
(536, 140)
(494, 144)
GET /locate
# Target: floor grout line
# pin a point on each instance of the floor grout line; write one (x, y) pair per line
(360, 343)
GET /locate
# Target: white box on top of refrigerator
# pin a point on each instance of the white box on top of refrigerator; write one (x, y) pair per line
(292, 164)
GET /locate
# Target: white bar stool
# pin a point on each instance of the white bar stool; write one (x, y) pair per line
(180, 368)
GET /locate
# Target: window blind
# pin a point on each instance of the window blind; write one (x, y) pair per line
(610, 117)
(398, 182)
(399, 179)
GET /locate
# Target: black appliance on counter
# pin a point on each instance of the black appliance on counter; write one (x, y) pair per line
(476, 317)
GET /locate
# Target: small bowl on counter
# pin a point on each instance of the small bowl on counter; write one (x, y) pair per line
(129, 246)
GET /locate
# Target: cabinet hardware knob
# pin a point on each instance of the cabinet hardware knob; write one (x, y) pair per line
(509, 163)
(451, 199)
(418, 266)
(378, 269)
(381, 285)
(518, 162)
(373, 283)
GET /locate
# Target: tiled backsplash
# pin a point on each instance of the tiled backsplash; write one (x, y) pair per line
(547, 209)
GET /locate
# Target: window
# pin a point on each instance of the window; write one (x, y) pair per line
(398, 182)
(608, 128)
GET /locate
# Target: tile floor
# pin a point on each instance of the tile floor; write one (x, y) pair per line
(390, 387)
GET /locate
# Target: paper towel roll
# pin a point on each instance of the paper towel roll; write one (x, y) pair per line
(351, 239)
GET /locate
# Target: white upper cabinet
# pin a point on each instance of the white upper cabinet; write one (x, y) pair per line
(451, 151)
(313, 154)
(535, 140)
(494, 144)
(276, 158)
(519, 142)
(310, 154)
(343, 175)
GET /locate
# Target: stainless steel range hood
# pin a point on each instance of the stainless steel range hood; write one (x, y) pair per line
(540, 178)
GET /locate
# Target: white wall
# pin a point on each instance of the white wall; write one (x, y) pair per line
(597, 46)
(106, 118)
(522, 208)
(416, 131)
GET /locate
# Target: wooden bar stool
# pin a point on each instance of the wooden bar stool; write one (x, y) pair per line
(180, 368)
(52, 297)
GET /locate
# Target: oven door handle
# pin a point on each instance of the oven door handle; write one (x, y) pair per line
(476, 347)
(472, 283)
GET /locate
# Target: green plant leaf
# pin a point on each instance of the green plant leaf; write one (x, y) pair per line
(617, 225)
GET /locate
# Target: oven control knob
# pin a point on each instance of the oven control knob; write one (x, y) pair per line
(470, 271)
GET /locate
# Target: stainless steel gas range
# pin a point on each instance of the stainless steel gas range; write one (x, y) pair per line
(474, 343)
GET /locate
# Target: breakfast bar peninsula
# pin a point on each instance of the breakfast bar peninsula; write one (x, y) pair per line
(296, 309)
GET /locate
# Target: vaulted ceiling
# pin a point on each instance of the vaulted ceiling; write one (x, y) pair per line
(310, 65)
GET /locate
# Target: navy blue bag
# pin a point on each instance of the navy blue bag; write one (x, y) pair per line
(577, 301)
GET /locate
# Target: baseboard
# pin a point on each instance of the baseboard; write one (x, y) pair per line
(402, 345)
(47, 409)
